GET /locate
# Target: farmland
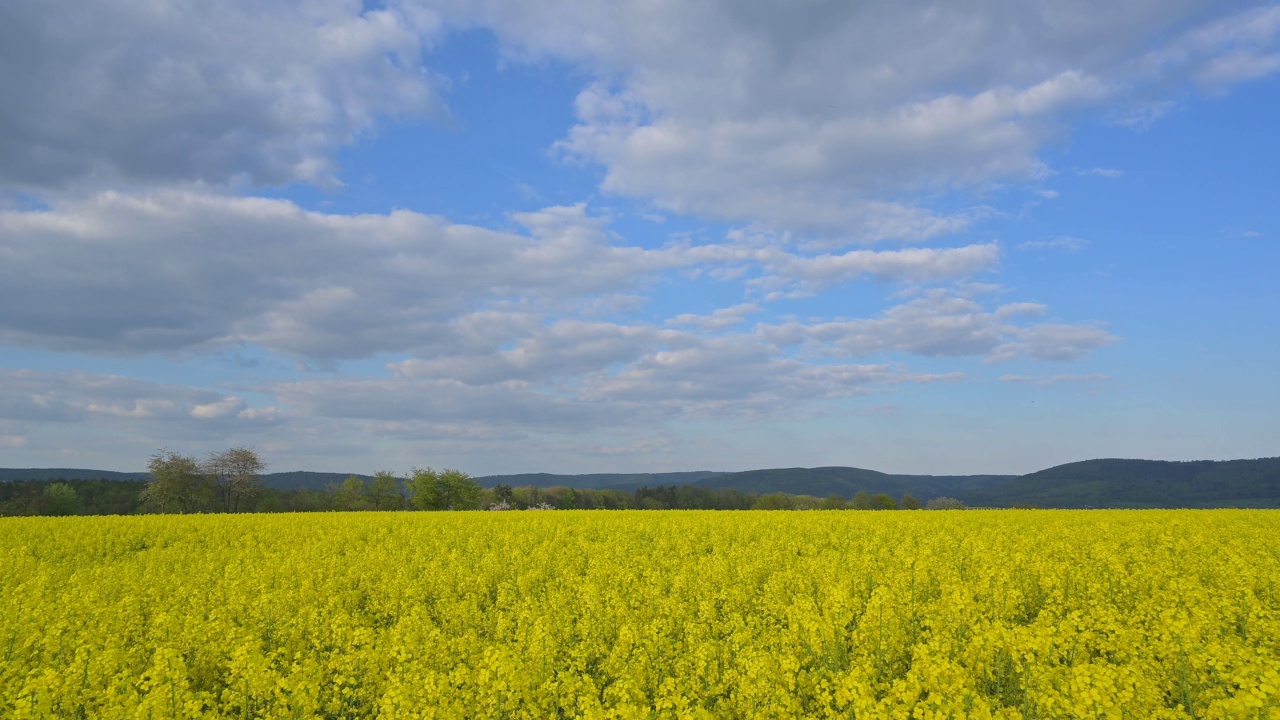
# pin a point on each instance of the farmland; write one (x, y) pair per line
(633, 614)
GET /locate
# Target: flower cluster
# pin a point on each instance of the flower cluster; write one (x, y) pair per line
(633, 614)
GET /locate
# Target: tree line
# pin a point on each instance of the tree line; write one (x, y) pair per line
(230, 481)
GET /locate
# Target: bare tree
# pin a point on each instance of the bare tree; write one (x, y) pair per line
(236, 475)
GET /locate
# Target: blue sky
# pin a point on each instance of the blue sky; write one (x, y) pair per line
(639, 236)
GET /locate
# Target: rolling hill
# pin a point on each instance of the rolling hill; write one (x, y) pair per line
(1141, 483)
(600, 481)
(278, 481)
(847, 481)
(1090, 483)
(14, 474)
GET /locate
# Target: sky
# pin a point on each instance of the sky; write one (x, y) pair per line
(639, 235)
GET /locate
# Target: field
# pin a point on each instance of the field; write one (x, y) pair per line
(633, 614)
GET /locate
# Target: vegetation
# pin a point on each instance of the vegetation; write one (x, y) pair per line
(177, 484)
(1141, 483)
(1094, 483)
(181, 484)
(228, 482)
(61, 499)
(93, 497)
(235, 476)
(643, 615)
(445, 490)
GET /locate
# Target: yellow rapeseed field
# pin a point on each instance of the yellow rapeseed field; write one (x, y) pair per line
(634, 614)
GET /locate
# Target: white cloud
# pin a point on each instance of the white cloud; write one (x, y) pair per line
(172, 270)
(719, 378)
(1240, 47)
(823, 118)
(101, 93)
(910, 265)
(940, 324)
(225, 407)
(814, 126)
(1023, 309)
(718, 319)
(1062, 242)
(178, 270)
(560, 351)
(268, 414)
(1109, 173)
(824, 175)
(1055, 379)
(13, 441)
(109, 400)
(1051, 341)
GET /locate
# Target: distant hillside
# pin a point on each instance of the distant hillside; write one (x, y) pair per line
(847, 482)
(278, 481)
(12, 474)
(1141, 483)
(599, 481)
(1092, 483)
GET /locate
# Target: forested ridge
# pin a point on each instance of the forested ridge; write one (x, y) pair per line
(1090, 483)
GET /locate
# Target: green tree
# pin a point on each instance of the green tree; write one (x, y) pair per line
(425, 490)
(833, 502)
(236, 475)
(384, 491)
(461, 491)
(861, 501)
(444, 490)
(61, 499)
(883, 501)
(351, 494)
(525, 497)
(504, 495)
(555, 496)
(909, 502)
(775, 501)
(177, 484)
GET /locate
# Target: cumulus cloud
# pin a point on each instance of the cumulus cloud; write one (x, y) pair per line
(226, 407)
(1062, 242)
(909, 265)
(720, 378)
(1055, 379)
(80, 397)
(1240, 47)
(1109, 173)
(99, 92)
(825, 174)
(1052, 341)
(824, 117)
(173, 270)
(572, 375)
(718, 319)
(563, 350)
(812, 126)
(940, 324)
